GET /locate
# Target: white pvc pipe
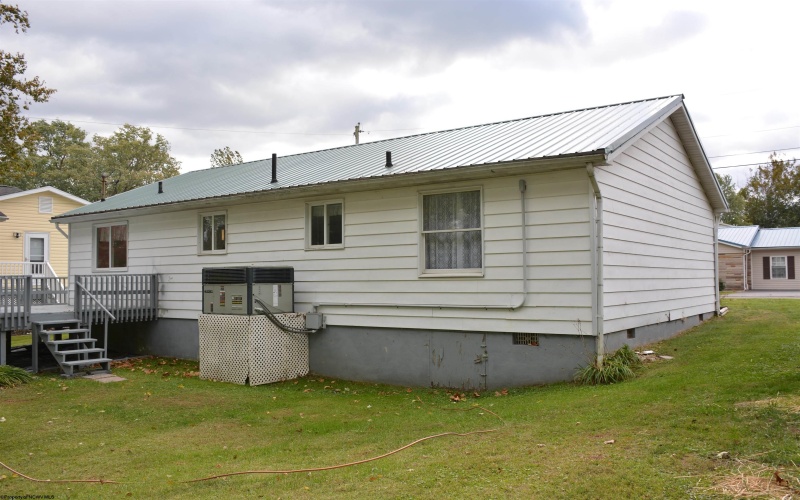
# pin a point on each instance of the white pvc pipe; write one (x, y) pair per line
(523, 186)
(597, 261)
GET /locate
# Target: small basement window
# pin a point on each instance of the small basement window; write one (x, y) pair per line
(526, 339)
(631, 333)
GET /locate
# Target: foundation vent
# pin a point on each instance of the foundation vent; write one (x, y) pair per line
(526, 339)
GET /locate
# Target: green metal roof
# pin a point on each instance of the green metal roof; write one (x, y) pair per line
(599, 130)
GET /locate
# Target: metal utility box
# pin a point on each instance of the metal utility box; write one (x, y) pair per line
(233, 290)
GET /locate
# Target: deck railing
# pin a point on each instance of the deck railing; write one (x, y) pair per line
(127, 297)
(49, 291)
(15, 302)
(27, 269)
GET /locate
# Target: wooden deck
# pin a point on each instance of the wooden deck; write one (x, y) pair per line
(26, 301)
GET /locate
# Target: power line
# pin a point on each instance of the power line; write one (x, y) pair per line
(195, 129)
(750, 132)
(735, 166)
(225, 130)
(755, 152)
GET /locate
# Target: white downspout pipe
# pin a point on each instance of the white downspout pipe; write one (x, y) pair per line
(61, 230)
(746, 271)
(597, 265)
(718, 304)
(523, 186)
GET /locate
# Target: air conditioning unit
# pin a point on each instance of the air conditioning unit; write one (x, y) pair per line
(234, 290)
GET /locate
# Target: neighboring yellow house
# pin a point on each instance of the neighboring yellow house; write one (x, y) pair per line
(28, 240)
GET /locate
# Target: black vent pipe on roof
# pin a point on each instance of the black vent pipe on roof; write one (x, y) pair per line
(389, 159)
(160, 188)
(274, 168)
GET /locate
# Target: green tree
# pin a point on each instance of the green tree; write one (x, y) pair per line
(54, 155)
(737, 216)
(16, 95)
(132, 157)
(224, 157)
(772, 194)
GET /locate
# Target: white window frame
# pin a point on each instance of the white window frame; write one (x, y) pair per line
(785, 267)
(213, 251)
(45, 204)
(95, 227)
(450, 273)
(326, 245)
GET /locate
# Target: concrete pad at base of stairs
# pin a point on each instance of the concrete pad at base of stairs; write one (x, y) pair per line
(104, 378)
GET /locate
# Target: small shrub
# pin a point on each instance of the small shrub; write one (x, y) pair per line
(616, 368)
(627, 356)
(11, 376)
(721, 286)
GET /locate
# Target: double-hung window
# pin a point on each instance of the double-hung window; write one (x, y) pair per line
(325, 224)
(778, 268)
(111, 246)
(452, 232)
(213, 232)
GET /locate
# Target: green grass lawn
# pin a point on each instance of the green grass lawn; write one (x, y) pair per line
(733, 385)
(20, 340)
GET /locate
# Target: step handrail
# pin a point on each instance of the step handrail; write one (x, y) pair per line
(96, 300)
(106, 311)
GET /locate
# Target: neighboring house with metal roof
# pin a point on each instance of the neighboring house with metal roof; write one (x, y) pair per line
(486, 256)
(29, 242)
(734, 256)
(766, 256)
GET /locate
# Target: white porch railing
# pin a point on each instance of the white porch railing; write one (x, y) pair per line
(37, 269)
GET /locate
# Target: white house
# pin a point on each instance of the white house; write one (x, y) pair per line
(501, 254)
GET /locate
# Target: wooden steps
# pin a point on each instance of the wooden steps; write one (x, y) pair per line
(75, 352)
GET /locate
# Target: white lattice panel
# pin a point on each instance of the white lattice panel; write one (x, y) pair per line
(224, 346)
(276, 355)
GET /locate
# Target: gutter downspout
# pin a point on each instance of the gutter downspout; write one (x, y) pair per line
(746, 273)
(597, 266)
(523, 186)
(61, 230)
(718, 305)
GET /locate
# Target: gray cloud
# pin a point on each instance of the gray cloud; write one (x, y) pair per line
(172, 62)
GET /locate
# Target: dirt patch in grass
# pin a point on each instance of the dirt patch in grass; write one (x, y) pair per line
(755, 480)
(790, 404)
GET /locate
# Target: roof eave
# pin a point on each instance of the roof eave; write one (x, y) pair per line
(469, 172)
(642, 128)
(44, 189)
(697, 155)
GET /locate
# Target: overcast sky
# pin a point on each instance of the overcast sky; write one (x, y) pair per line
(285, 77)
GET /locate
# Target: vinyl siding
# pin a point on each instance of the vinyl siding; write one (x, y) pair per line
(658, 235)
(24, 217)
(757, 275)
(379, 263)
